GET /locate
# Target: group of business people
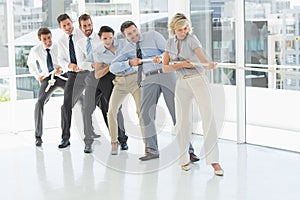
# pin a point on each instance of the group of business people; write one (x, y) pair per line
(102, 71)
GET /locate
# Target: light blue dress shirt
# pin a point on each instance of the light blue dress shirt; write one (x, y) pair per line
(152, 44)
(103, 55)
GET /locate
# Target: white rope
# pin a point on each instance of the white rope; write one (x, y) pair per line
(52, 80)
(249, 67)
(271, 68)
(147, 60)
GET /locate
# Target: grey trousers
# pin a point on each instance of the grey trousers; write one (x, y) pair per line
(152, 87)
(72, 93)
(98, 93)
(42, 100)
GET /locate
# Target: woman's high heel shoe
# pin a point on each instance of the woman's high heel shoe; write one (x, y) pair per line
(217, 168)
(219, 172)
(186, 167)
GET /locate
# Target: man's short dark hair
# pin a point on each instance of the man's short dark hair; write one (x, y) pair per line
(126, 24)
(63, 17)
(83, 17)
(43, 31)
(105, 29)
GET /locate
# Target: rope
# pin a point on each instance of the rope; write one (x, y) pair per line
(52, 81)
(271, 68)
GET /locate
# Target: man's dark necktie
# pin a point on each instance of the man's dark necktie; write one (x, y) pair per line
(72, 50)
(49, 61)
(140, 67)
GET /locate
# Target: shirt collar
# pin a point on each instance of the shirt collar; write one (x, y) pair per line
(116, 44)
(47, 48)
(91, 36)
(104, 49)
(74, 32)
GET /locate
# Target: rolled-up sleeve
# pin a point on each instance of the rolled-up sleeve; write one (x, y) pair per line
(120, 65)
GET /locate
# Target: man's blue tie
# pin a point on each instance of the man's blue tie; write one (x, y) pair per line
(88, 46)
(89, 53)
(49, 61)
(72, 50)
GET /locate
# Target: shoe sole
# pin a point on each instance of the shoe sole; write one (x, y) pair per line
(219, 172)
(151, 158)
(62, 147)
(186, 167)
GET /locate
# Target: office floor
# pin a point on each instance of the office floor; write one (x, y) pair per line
(251, 172)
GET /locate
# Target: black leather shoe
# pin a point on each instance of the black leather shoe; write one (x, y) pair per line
(194, 158)
(124, 146)
(64, 144)
(38, 142)
(149, 156)
(88, 148)
(96, 136)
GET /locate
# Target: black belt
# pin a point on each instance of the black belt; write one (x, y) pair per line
(81, 71)
(158, 71)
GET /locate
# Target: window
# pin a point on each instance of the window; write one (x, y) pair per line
(30, 16)
(4, 66)
(273, 84)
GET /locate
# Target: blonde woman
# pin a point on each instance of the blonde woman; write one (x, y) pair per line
(183, 54)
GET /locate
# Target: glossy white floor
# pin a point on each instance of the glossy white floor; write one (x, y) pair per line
(251, 172)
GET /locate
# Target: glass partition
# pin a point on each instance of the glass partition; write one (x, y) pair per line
(4, 104)
(272, 75)
(4, 90)
(3, 41)
(214, 25)
(154, 16)
(3, 36)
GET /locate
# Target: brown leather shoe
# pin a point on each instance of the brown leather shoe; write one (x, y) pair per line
(149, 156)
(194, 158)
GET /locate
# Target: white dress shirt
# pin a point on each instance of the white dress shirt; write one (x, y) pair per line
(63, 48)
(83, 61)
(38, 54)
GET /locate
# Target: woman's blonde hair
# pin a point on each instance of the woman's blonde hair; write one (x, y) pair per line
(179, 21)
